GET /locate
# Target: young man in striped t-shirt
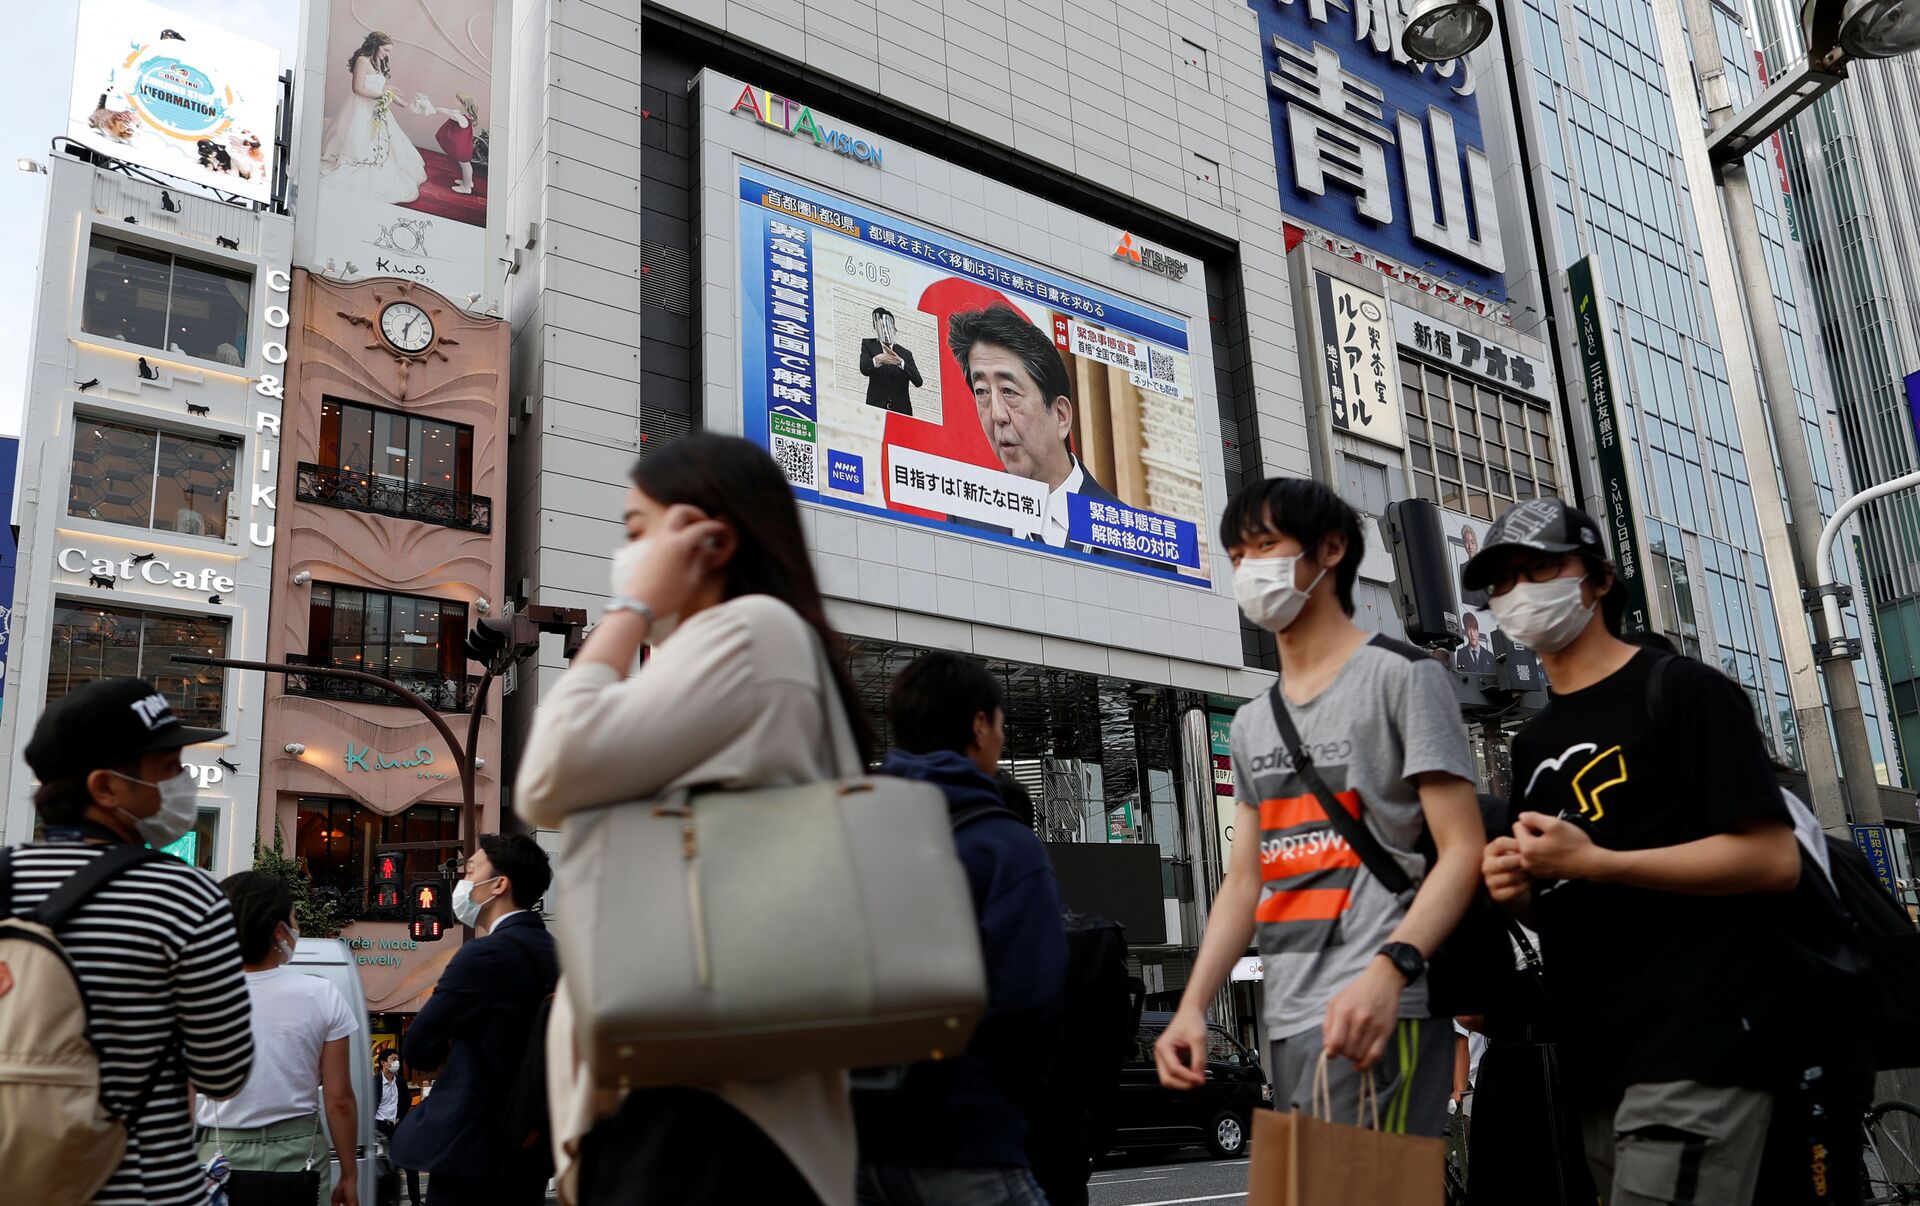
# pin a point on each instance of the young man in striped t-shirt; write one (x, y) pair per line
(154, 948)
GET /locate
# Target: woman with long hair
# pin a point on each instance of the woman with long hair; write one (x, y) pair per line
(363, 149)
(715, 577)
(302, 1032)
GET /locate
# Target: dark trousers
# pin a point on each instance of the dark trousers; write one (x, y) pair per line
(413, 1174)
(684, 1146)
(514, 1189)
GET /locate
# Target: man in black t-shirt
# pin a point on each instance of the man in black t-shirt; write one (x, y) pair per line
(1639, 854)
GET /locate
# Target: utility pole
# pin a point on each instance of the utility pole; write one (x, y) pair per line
(1780, 415)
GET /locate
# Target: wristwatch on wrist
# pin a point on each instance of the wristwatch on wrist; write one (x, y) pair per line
(629, 603)
(1406, 959)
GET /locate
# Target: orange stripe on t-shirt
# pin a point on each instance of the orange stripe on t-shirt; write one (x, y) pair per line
(1287, 812)
(1329, 857)
(1303, 904)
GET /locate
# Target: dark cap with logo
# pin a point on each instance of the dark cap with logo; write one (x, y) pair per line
(107, 723)
(1539, 525)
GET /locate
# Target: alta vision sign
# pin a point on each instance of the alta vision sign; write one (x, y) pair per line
(797, 121)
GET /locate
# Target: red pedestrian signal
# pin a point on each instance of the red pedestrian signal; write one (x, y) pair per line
(429, 913)
(389, 873)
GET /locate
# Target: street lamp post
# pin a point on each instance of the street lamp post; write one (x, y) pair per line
(463, 756)
(1836, 31)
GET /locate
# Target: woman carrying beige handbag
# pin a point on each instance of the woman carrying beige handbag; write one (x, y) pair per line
(716, 578)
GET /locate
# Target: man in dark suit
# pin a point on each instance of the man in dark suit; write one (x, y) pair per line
(392, 1098)
(888, 367)
(1474, 656)
(475, 1028)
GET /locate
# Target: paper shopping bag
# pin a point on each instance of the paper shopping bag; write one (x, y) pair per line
(1303, 1160)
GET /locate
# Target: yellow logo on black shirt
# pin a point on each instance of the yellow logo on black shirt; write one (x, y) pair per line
(1609, 762)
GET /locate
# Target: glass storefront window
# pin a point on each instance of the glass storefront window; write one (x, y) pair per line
(337, 838)
(151, 479)
(395, 446)
(378, 632)
(139, 295)
(92, 642)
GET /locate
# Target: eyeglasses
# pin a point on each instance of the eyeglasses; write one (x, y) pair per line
(1541, 570)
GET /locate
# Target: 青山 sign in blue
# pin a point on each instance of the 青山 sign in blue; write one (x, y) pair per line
(1375, 148)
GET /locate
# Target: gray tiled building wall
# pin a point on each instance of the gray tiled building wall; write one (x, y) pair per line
(1163, 102)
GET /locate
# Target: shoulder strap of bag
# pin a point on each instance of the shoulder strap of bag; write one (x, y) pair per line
(1657, 690)
(1379, 863)
(965, 815)
(82, 884)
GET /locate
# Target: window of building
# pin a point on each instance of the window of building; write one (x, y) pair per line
(91, 641)
(148, 297)
(395, 464)
(337, 838)
(1473, 448)
(149, 478)
(417, 642)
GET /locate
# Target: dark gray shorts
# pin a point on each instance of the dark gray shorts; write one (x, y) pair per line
(1414, 1077)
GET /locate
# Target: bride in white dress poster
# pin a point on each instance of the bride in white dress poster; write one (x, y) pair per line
(363, 150)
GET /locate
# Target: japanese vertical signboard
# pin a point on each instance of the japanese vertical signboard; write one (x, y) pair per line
(1874, 843)
(1609, 441)
(1362, 367)
(864, 338)
(1376, 148)
(1219, 736)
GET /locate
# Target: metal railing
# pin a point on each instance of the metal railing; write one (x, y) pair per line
(446, 693)
(357, 491)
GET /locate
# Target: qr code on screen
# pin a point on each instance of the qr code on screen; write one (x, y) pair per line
(1160, 366)
(798, 460)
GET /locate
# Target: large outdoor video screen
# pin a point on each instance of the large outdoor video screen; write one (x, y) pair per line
(898, 371)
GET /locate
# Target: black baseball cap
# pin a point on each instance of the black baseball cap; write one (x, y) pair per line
(107, 723)
(1541, 525)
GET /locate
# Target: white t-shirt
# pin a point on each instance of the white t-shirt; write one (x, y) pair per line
(294, 1015)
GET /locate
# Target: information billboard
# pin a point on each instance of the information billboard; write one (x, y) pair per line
(895, 370)
(175, 95)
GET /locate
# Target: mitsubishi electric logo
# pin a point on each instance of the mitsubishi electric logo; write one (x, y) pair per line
(1146, 257)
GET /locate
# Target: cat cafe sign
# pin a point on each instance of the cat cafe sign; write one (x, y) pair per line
(120, 569)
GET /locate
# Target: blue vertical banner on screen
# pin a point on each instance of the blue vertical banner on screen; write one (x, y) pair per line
(1375, 148)
(792, 413)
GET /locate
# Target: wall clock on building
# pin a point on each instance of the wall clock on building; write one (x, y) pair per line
(407, 327)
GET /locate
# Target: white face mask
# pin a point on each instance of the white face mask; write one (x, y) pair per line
(292, 940)
(627, 559)
(178, 798)
(465, 908)
(1546, 616)
(1266, 591)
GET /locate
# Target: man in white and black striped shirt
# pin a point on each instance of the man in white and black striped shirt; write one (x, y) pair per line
(154, 948)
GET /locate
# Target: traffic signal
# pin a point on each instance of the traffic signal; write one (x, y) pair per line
(1423, 579)
(429, 912)
(389, 878)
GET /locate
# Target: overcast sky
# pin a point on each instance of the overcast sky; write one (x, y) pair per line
(40, 74)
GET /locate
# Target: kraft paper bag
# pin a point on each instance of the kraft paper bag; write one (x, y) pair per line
(1300, 1159)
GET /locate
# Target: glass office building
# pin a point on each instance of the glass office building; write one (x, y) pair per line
(1854, 206)
(1594, 130)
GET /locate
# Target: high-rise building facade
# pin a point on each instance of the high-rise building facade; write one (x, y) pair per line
(1604, 141)
(1852, 169)
(751, 218)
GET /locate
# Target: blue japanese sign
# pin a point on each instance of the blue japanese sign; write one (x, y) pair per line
(1873, 842)
(1375, 148)
(1104, 524)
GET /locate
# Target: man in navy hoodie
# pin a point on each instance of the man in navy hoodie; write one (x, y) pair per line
(955, 1130)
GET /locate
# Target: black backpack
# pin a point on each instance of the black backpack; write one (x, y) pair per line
(1071, 1124)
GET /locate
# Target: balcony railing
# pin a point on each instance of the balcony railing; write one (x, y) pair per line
(446, 694)
(358, 491)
